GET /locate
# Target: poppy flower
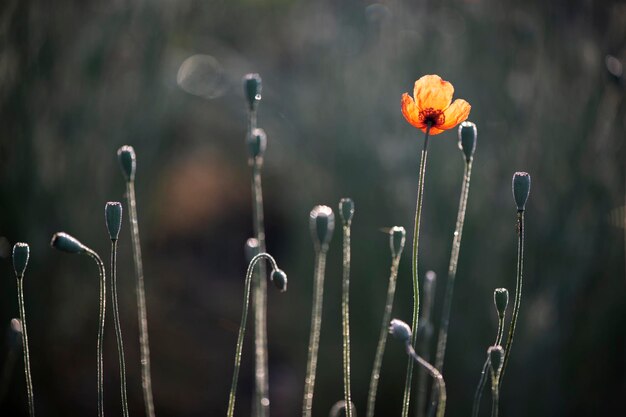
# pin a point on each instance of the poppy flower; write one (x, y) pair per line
(432, 104)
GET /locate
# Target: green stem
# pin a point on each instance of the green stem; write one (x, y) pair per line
(242, 327)
(29, 381)
(345, 303)
(382, 339)
(101, 318)
(118, 328)
(441, 385)
(144, 345)
(518, 292)
(314, 337)
(418, 214)
(483, 375)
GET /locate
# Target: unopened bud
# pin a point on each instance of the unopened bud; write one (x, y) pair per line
(257, 142)
(467, 139)
(279, 278)
(113, 217)
(252, 89)
(322, 224)
(397, 239)
(400, 330)
(496, 358)
(346, 210)
(21, 251)
(521, 189)
(66, 243)
(501, 300)
(128, 161)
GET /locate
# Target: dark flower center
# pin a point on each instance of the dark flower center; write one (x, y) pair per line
(432, 116)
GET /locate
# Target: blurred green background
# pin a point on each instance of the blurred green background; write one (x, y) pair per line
(78, 79)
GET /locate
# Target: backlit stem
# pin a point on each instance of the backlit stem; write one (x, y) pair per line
(118, 328)
(101, 317)
(441, 385)
(29, 381)
(345, 302)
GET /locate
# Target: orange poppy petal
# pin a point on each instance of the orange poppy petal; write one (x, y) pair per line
(432, 92)
(410, 111)
(433, 131)
(455, 114)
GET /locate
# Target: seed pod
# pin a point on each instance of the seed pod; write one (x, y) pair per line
(252, 89)
(467, 139)
(496, 357)
(397, 238)
(21, 251)
(521, 189)
(501, 300)
(400, 330)
(257, 142)
(128, 161)
(66, 243)
(346, 210)
(322, 224)
(279, 278)
(113, 217)
(252, 248)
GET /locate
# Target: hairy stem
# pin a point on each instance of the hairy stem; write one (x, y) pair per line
(483, 374)
(102, 273)
(29, 381)
(441, 385)
(242, 327)
(144, 345)
(382, 339)
(314, 337)
(346, 319)
(418, 214)
(118, 328)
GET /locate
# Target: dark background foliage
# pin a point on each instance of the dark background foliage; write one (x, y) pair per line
(80, 79)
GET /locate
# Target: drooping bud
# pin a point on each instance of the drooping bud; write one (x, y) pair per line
(66, 243)
(279, 278)
(128, 162)
(346, 210)
(21, 251)
(400, 330)
(257, 142)
(397, 239)
(252, 248)
(252, 89)
(501, 300)
(467, 139)
(521, 189)
(322, 224)
(496, 358)
(113, 217)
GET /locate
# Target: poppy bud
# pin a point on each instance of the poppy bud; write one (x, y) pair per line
(66, 243)
(400, 330)
(20, 258)
(521, 189)
(252, 89)
(501, 300)
(128, 161)
(279, 278)
(322, 224)
(346, 210)
(113, 217)
(252, 248)
(467, 139)
(397, 238)
(496, 356)
(257, 142)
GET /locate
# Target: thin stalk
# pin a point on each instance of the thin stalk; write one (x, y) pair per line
(518, 291)
(29, 381)
(242, 328)
(118, 328)
(418, 214)
(426, 332)
(261, 388)
(314, 337)
(144, 345)
(382, 339)
(102, 273)
(483, 374)
(495, 397)
(441, 385)
(345, 302)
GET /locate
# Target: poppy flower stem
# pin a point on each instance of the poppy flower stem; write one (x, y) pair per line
(518, 291)
(384, 330)
(345, 304)
(418, 214)
(242, 326)
(441, 385)
(29, 380)
(118, 328)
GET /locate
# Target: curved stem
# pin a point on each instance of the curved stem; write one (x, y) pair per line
(382, 339)
(418, 214)
(441, 385)
(118, 328)
(29, 381)
(101, 318)
(483, 374)
(242, 327)
(341, 405)
(144, 344)
(345, 304)
(518, 292)
(314, 337)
